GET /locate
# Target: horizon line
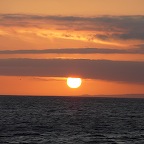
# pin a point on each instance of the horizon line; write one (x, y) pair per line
(79, 96)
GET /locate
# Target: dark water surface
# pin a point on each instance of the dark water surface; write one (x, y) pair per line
(71, 120)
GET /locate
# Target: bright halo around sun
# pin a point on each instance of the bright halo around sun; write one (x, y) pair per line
(74, 82)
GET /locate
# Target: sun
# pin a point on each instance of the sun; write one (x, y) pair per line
(74, 82)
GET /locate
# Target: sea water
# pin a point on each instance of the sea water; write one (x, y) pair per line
(71, 120)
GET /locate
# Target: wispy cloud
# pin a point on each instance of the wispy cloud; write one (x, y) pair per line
(101, 29)
(77, 51)
(120, 71)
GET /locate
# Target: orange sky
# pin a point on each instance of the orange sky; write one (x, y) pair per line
(43, 86)
(74, 7)
(113, 28)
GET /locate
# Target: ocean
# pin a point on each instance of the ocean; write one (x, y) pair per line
(71, 120)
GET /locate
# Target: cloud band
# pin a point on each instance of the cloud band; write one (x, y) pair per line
(121, 71)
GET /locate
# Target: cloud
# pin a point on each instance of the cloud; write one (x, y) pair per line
(77, 51)
(48, 79)
(105, 28)
(120, 71)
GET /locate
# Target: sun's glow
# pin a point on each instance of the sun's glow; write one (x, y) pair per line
(74, 82)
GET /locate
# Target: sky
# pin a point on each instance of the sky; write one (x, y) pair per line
(43, 42)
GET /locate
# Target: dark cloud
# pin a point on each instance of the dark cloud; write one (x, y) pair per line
(108, 27)
(124, 36)
(77, 51)
(121, 71)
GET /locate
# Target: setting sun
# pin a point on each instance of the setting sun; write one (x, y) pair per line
(74, 82)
